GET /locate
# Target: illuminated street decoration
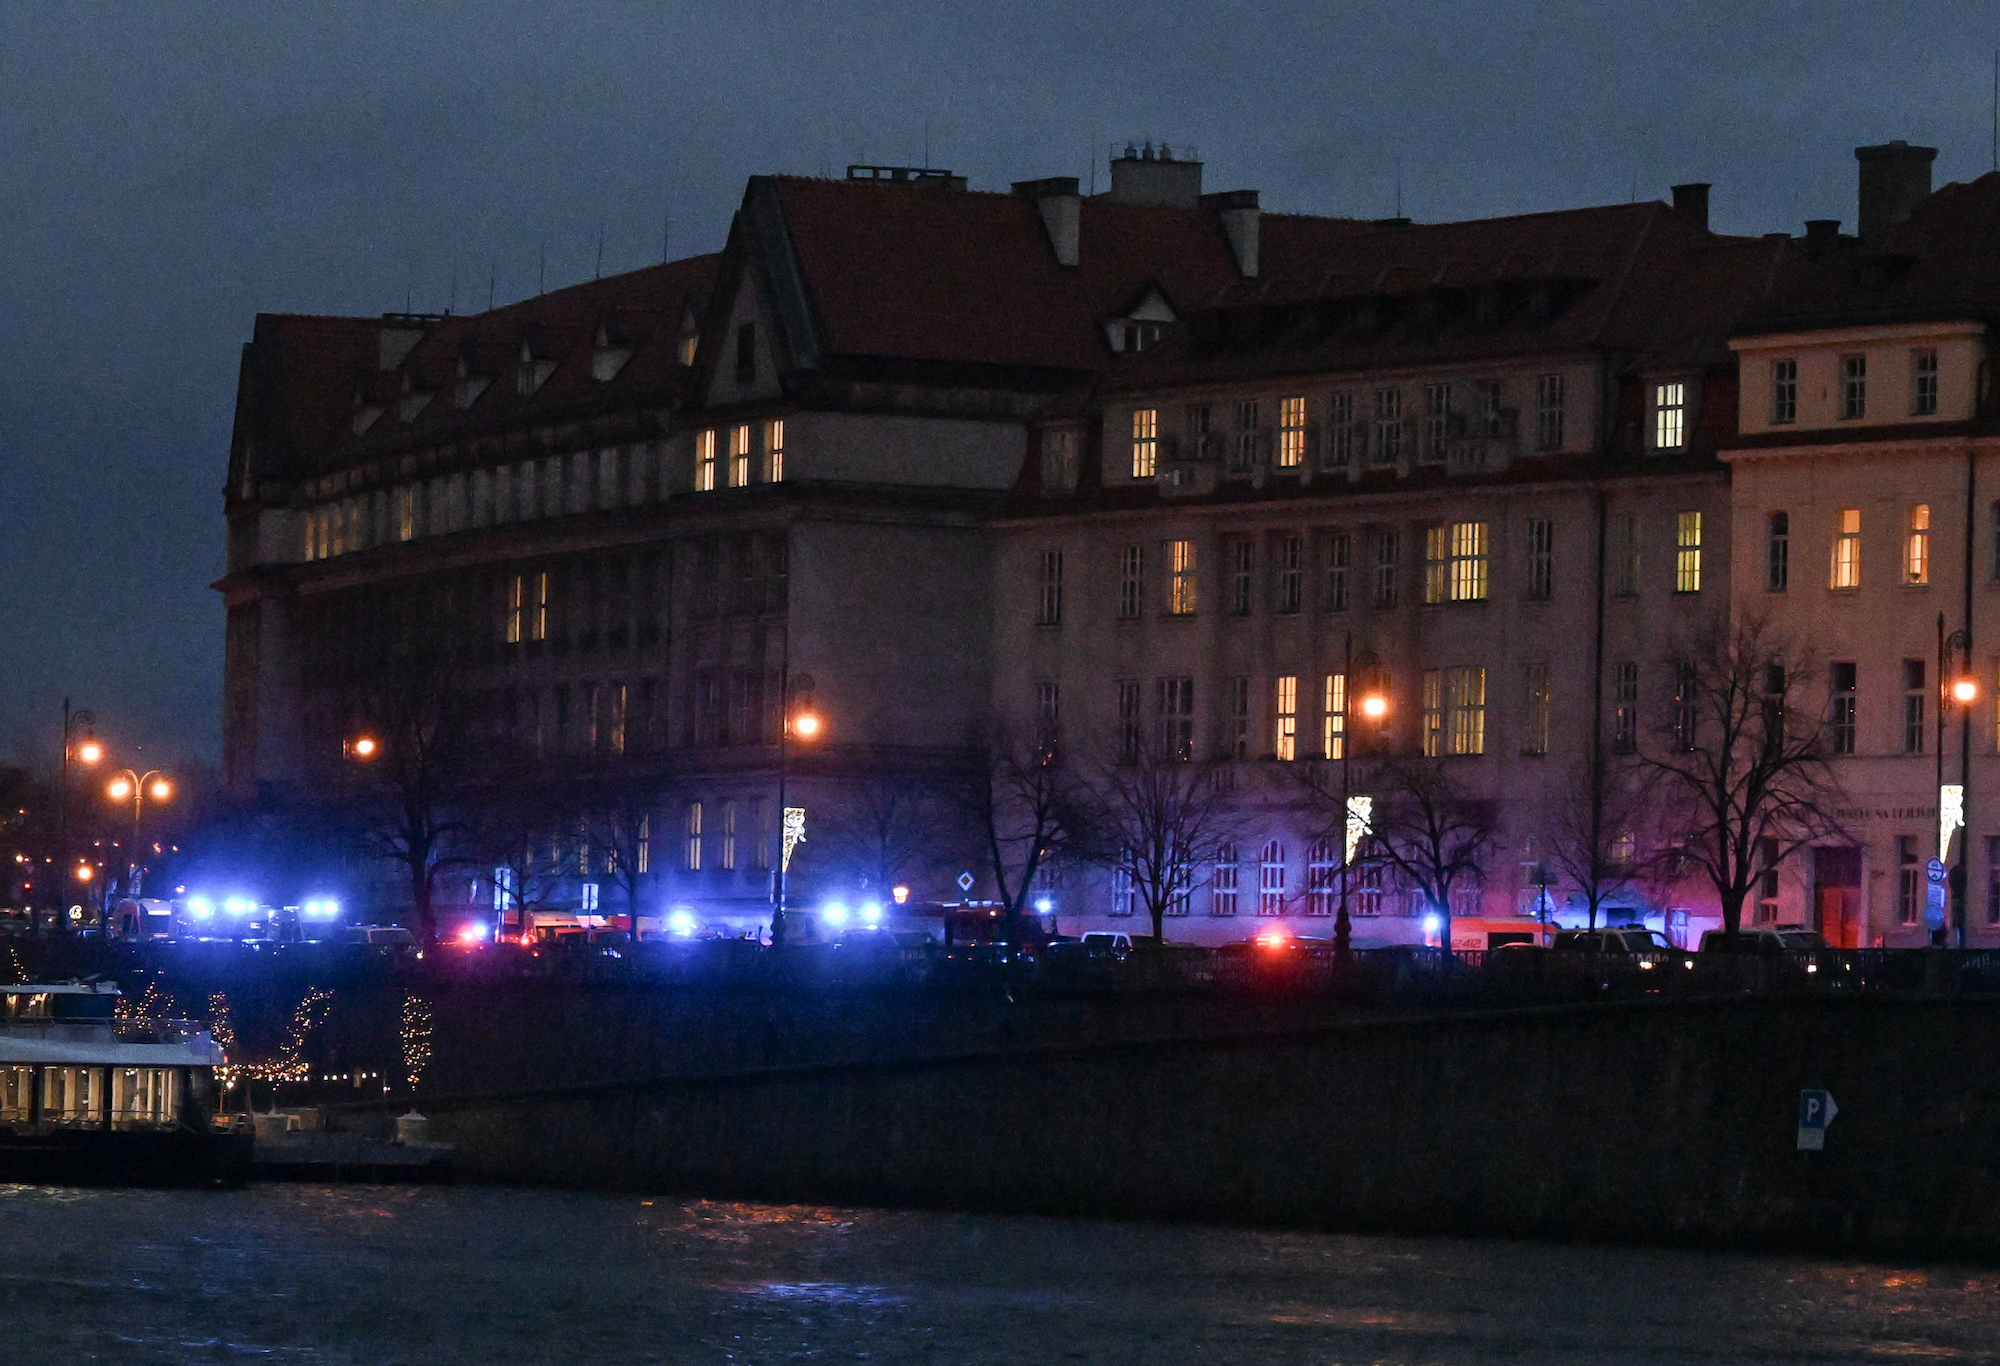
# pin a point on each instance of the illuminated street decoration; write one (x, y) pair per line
(1951, 816)
(1360, 811)
(794, 833)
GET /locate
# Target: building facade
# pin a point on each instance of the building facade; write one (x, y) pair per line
(1150, 468)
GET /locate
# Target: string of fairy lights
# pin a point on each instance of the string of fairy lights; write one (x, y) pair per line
(416, 1036)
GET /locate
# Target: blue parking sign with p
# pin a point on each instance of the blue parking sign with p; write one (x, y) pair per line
(1816, 1111)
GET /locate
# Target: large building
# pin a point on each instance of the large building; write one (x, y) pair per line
(1147, 468)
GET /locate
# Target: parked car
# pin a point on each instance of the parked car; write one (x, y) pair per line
(1107, 944)
(390, 941)
(1628, 945)
(1762, 939)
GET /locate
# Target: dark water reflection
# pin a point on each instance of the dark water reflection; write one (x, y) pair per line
(385, 1275)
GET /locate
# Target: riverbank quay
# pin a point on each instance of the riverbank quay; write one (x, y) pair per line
(1646, 1121)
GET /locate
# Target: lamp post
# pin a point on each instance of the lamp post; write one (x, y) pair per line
(797, 718)
(138, 786)
(87, 750)
(1962, 691)
(1373, 706)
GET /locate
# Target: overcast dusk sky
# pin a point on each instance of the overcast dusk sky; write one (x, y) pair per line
(169, 171)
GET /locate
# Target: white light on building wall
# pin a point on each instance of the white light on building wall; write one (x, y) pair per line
(1951, 816)
(1360, 811)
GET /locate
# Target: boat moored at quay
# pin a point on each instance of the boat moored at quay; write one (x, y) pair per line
(88, 1099)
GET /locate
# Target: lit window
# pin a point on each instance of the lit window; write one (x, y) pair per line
(1468, 561)
(406, 513)
(1180, 578)
(538, 617)
(1535, 724)
(1333, 716)
(1271, 880)
(1432, 720)
(1784, 391)
(704, 461)
(1853, 387)
(1048, 607)
(774, 449)
(739, 456)
(1687, 552)
(1291, 433)
(1917, 549)
(516, 592)
(1924, 382)
(728, 835)
(1465, 710)
(694, 837)
(1847, 550)
(1669, 416)
(1285, 737)
(1145, 442)
(1777, 552)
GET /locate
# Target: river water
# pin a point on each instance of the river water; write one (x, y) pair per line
(377, 1275)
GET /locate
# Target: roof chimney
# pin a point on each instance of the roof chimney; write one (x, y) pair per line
(1894, 178)
(1062, 212)
(1822, 236)
(1154, 179)
(1240, 219)
(1691, 201)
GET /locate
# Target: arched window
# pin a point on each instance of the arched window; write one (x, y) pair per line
(1222, 890)
(1322, 870)
(1271, 880)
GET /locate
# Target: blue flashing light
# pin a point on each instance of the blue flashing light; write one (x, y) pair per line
(871, 912)
(200, 907)
(836, 913)
(681, 921)
(238, 905)
(1045, 904)
(1432, 924)
(322, 910)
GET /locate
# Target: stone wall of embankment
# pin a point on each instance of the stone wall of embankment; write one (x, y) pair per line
(1634, 1121)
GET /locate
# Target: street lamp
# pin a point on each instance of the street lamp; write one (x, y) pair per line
(801, 721)
(78, 739)
(138, 788)
(1374, 706)
(1953, 803)
(363, 747)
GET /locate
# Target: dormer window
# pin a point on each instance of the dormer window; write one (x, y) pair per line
(413, 401)
(533, 371)
(608, 357)
(1669, 416)
(1140, 326)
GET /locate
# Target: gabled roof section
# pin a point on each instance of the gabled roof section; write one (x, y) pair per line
(968, 278)
(1941, 263)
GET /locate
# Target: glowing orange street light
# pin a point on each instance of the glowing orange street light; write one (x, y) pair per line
(364, 747)
(84, 872)
(805, 725)
(1964, 691)
(90, 751)
(160, 790)
(1374, 706)
(119, 790)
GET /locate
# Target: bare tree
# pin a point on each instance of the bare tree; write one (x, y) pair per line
(617, 828)
(887, 827)
(1163, 816)
(414, 787)
(1426, 827)
(521, 824)
(1739, 757)
(1591, 832)
(1032, 808)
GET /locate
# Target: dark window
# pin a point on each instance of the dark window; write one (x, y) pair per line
(1784, 391)
(1128, 720)
(1048, 603)
(1386, 551)
(1840, 716)
(1541, 558)
(1913, 706)
(746, 351)
(1910, 880)
(1176, 718)
(1687, 704)
(1338, 552)
(1291, 557)
(1242, 576)
(1625, 715)
(1777, 553)
(1924, 390)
